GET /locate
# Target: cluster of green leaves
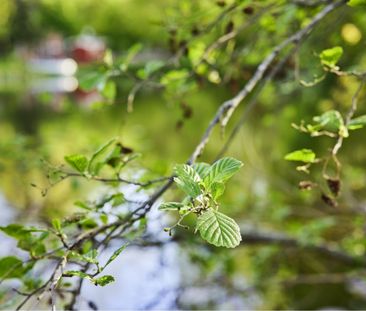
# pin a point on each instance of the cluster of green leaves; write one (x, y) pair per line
(203, 185)
(54, 244)
(330, 123)
(112, 154)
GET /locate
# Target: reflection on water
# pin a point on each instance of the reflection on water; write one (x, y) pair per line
(8, 215)
(145, 279)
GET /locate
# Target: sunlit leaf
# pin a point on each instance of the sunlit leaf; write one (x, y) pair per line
(303, 155)
(219, 229)
(222, 170)
(176, 206)
(78, 161)
(357, 123)
(115, 254)
(202, 169)
(330, 57)
(217, 189)
(187, 179)
(356, 3)
(104, 280)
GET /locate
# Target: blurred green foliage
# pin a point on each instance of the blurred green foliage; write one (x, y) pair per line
(167, 122)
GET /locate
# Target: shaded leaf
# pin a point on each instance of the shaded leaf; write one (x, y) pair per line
(171, 206)
(12, 267)
(100, 157)
(331, 121)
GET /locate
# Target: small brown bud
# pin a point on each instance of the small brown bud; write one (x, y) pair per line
(221, 3)
(248, 10)
(328, 200)
(334, 185)
(229, 27)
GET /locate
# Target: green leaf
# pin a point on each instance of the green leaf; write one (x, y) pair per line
(222, 170)
(77, 161)
(303, 155)
(92, 80)
(12, 267)
(150, 68)
(357, 123)
(187, 179)
(109, 89)
(80, 274)
(115, 255)
(88, 257)
(331, 121)
(330, 57)
(217, 189)
(202, 169)
(218, 229)
(104, 280)
(356, 3)
(171, 206)
(16, 231)
(88, 223)
(128, 58)
(100, 157)
(117, 199)
(56, 223)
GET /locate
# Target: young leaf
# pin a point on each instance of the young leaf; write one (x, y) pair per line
(77, 161)
(100, 157)
(187, 179)
(202, 169)
(109, 89)
(303, 155)
(115, 255)
(12, 267)
(217, 189)
(357, 123)
(330, 121)
(222, 170)
(79, 274)
(56, 223)
(356, 3)
(88, 257)
(92, 80)
(330, 57)
(218, 229)
(170, 206)
(104, 280)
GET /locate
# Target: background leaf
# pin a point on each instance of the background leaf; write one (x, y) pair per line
(303, 155)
